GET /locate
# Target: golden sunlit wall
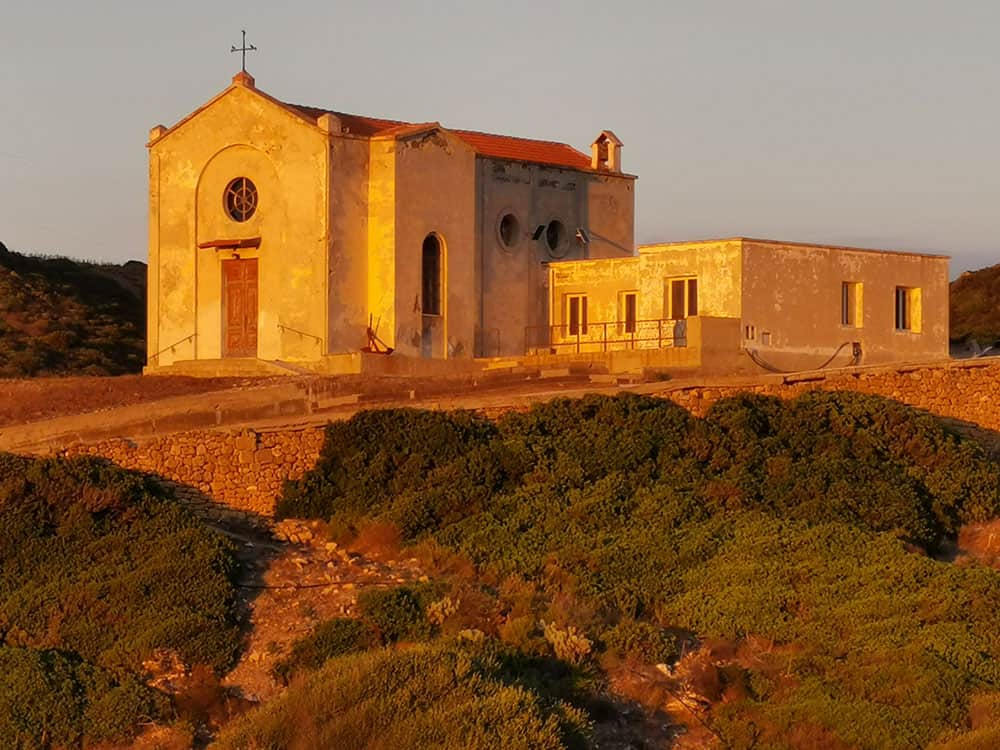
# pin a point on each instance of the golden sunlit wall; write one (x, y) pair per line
(241, 133)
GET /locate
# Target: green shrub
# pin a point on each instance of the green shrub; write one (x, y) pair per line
(49, 699)
(62, 317)
(97, 571)
(331, 638)
(377, 455)
(94, 560)
(398, 614)
(784, 520)
(643, 641)
(441, 696)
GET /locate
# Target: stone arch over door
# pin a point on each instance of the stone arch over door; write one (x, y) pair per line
(228, 278)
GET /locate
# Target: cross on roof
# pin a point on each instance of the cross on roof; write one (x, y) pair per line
(244, 49)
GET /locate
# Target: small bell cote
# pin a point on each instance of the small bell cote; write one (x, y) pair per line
(607, 152)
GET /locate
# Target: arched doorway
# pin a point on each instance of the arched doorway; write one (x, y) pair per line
(432, 336)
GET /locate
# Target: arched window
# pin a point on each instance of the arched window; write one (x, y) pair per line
(430, 285)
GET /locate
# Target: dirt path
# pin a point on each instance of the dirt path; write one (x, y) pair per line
(288, 587)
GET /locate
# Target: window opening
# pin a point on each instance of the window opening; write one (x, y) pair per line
(851, 304)
(682, 298)
(555, 238)
(908, 309)
(431, 276)
(576, 314)
(510, 230)
(241, 199)
(628, 311)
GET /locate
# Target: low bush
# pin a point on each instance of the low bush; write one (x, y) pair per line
(51, 699)
(331, 638)
(792, 522)
(400, 613)
(642, 641)
(99, 570)
(63, 317)
(444, 696)
(95, 560)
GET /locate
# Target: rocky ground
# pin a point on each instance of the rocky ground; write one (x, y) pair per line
(291, 582)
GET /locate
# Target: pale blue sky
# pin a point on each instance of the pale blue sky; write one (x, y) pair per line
(863, 122)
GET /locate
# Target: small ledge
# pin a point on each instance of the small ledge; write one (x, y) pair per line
(230, 244)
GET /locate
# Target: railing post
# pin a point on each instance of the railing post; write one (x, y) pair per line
(659, 333)
(604, 343)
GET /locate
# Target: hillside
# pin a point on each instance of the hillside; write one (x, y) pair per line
(975, 306)
(605, 573)
(65, 317)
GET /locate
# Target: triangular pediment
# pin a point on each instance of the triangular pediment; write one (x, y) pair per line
(239, 88)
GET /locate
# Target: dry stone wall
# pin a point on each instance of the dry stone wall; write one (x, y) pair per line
(244, 472)
(965, 392)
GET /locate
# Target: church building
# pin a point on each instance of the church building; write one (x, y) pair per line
(292, 237)
(282, 232)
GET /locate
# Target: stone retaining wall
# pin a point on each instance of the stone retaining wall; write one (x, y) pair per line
(966, 392)
(245, 471)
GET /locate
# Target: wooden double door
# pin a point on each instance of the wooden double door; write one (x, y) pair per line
(239, 308)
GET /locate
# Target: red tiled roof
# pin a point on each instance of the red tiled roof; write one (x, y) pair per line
(525, 149)
(484, 144)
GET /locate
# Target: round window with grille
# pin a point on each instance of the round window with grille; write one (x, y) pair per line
(241, 199)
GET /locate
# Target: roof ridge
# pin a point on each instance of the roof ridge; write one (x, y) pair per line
(512, 137)
(471, 131)
(486, 144)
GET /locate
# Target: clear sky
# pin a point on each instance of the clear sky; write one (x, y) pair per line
(860, 122)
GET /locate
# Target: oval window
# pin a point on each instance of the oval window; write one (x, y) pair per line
(509, 230)
(555, 238)
(241, 199)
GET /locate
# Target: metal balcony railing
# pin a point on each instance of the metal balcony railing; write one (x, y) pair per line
(605, 336)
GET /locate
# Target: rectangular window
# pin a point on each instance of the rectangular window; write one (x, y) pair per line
(750, 334)
(681, 298)
(576, 314)
(851, 305)
(908, 310)
(627, 312)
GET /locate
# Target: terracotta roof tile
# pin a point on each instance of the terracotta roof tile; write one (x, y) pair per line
(485, 144)
(525, 149)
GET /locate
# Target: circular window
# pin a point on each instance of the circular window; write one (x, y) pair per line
(241, 199)
(555, 239)
(509, 230)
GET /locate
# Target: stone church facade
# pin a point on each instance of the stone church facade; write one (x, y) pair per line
(281, 233)
(284, 232)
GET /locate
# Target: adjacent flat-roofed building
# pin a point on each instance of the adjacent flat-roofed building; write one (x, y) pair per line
(281, 233)
(752, 304)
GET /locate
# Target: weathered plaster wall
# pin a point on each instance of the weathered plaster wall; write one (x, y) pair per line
(435, 193)
(513, 279)
(716, 266)
(350, 191)
(239, 134)
(793, 293)
(382, 239)
(610, 216)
